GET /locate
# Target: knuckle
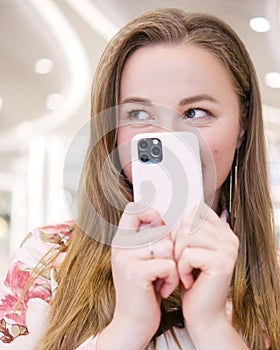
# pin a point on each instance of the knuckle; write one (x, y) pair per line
(171, 265)
(185, 254)
(129, 206)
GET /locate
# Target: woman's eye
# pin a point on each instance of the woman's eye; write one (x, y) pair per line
(195, 113)
(139, 115)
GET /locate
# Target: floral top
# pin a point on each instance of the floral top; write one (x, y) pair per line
(23, 319)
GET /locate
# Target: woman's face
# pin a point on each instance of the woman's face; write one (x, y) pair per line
(193, 82)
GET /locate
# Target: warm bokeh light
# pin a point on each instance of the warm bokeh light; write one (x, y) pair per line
(272, 79)
(259, 24)
(43, 66)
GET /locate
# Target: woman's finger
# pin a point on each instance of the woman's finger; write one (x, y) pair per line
(212, 264)
(164, 270)
(134, 215)
(131, 234)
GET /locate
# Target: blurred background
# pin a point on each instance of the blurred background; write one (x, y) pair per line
(48, 53)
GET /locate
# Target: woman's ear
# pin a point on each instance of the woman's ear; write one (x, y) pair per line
(241, 132)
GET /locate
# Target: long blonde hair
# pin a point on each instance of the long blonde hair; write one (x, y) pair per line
(84, 301)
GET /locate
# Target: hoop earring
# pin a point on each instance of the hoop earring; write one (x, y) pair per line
(230, 191)
(233, 192)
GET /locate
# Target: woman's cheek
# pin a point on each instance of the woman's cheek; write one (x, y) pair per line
(216, 159)
(223, 158)
(124, 154)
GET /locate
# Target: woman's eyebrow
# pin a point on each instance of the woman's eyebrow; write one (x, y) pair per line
(137, 100)
(183, 102)
(197, 98)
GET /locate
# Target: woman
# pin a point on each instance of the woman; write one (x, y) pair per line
(126, 298)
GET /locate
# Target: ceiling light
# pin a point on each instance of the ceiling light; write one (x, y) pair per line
(272, 79)
(43, 66)
(54, 101)
(1, 103)
(259, 24)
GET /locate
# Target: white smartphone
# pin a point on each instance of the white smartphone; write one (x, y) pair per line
(166, 173)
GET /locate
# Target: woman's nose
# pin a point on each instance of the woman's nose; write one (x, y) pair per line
(172, 121)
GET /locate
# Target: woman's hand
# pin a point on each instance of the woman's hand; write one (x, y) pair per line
(206, 250)
(142, 274)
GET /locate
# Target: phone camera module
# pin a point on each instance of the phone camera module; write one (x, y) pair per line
(150, 150)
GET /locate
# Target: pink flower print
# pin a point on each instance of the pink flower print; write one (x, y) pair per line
(61, 230)
(59, 235)
(10, 335)
(13, 305)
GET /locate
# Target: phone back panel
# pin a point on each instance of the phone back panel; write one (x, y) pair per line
(174, 185)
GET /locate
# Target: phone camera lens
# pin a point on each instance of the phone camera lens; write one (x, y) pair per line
(144, 158)
(143, 144)
(156, 151)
